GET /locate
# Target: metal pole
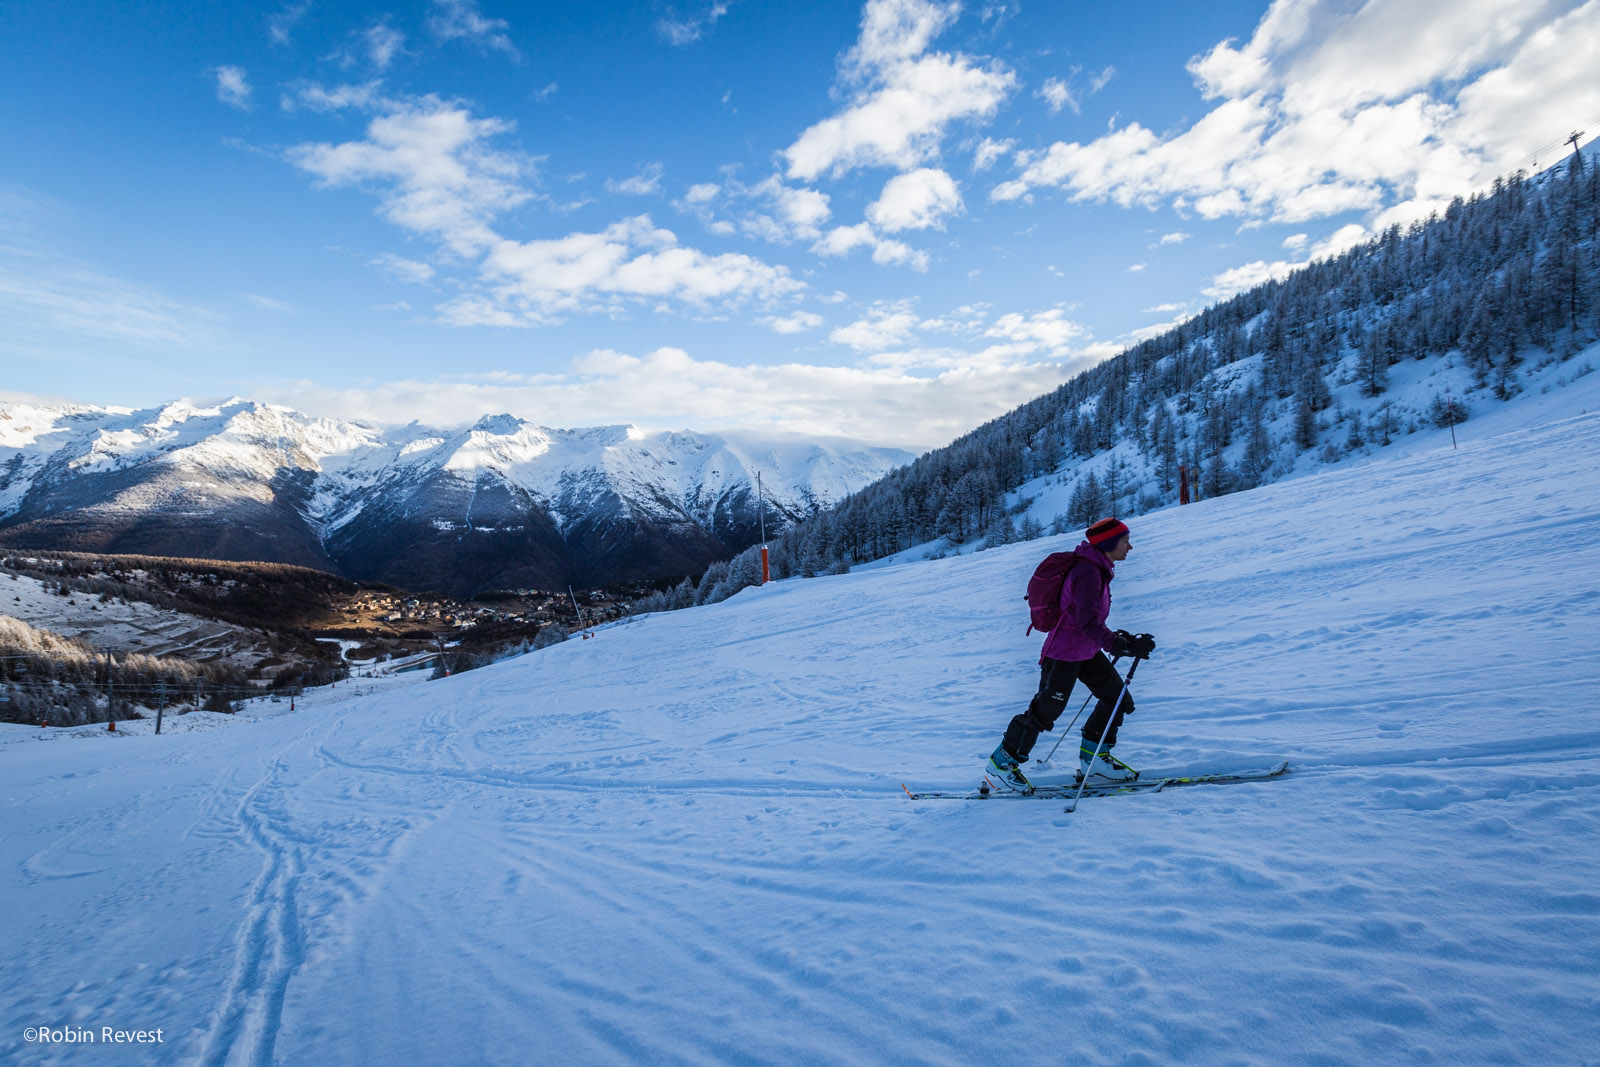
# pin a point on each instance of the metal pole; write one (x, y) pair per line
(761, 510)
(575, 609)
(161, 704)
(111, 696)
(1109, 720)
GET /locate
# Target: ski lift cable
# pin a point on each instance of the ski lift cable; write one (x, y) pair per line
(1532, 158)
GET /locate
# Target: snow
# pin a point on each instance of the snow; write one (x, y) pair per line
(127, 626)
(236, 448)
(685, 842)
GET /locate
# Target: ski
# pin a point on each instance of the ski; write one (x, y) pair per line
(1068, 790)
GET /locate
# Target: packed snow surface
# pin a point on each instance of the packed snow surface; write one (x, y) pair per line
(685, 840)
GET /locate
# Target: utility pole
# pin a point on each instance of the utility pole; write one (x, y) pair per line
(161, 704)
(576, 610)
(1573, 139)
(110, 694)
(761, 511)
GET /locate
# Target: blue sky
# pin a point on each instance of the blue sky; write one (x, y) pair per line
(888, 221)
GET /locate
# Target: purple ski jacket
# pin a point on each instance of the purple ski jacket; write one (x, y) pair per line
(1085, 604)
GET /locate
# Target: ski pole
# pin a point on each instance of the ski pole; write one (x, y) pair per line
(1110, 719)
(1073, 723)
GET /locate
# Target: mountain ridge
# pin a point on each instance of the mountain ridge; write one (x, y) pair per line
(500, 502)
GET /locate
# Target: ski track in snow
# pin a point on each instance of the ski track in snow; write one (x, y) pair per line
(684, 841)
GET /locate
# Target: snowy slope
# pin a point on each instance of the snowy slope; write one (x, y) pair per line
(684, 841)
(128, 626)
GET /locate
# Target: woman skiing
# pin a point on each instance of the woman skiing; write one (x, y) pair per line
(1076, 650)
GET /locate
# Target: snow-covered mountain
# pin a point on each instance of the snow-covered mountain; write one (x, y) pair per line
(503, 503)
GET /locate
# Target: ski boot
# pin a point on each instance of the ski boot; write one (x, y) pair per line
(1102, 768)
(1007, 770)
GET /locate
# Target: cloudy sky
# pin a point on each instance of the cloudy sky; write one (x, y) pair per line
(887, 221)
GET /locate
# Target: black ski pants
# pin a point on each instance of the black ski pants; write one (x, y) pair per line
(1056, 678)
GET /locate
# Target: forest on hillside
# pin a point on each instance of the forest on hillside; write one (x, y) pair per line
(1235, 395)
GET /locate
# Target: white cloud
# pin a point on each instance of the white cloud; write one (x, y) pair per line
(902, 100)
(842, 240)
(384, 42)
(406, 270)
(896, 31)
(891, 253)
(915, 200)
(1249, 275)
(1056, 95)
(454, 20)
(885, 326)
(1049, 331)
(903, 392)
(1340, 241)
(431, 167)
(317, 98)
(435, 174)
(52, 304)
(1387, 106)
(1164, 309)
(690, 28)
(533, 281)
(988, 151)
(669, 389)
(888, 332)
(1174, 238)
(1136, 268)
(281, 24)
(267, 303)
(233, 87)
(799, 322)
(1242, 279)
(769, 210)
(645, 183)
(793, 214)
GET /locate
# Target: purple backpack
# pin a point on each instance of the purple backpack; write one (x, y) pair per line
(1044, 590)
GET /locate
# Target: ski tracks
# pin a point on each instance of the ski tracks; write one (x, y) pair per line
(320, 856)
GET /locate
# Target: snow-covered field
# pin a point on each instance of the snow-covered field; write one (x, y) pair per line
(127, 626)
(685, 841)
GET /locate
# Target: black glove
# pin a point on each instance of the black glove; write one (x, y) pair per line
(1139, 646)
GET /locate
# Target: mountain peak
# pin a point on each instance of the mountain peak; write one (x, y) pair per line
(502, 425)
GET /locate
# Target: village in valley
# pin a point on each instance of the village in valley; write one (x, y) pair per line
(93, 638)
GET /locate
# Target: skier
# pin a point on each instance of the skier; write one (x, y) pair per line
(1076, 650)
